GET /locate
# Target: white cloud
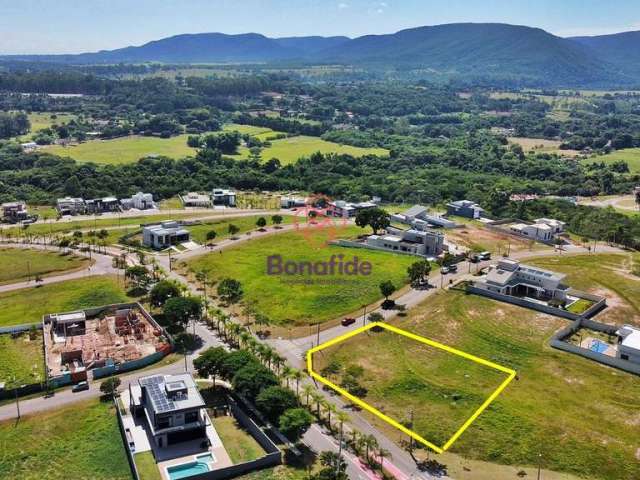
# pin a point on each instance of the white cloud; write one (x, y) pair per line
(342, 6)
(383, 4)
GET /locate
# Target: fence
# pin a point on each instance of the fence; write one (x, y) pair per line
(132, 463)
(559, 341)
(101, 372)
(26, 389)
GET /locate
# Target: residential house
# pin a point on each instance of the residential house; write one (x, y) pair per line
(220, 196)
(292, 202)
(164, 235)
(510, 277)
(343, 209)
(174, 410)
(416, 242)
(102, 205)
(195, 199)
(70, 206)
(629, 343)
(556, 225)
(14, 212)
(464, 208)
(419, 218)
(29, 146)
(139, 201)
(537, 231)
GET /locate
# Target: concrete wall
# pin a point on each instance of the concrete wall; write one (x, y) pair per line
(351, 244)
(558, 341)
(132, 463)
(20, 328)
(102, 372)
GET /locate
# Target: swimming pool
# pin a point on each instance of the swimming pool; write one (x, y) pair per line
(599, 346)
(187, 469)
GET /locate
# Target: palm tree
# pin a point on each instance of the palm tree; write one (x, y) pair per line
(286, 374)
(317, 398)
(330, 407)
(244, 338)
(370, 443)
(382, 454)
(297, 375)
(342, 417)
(307, 390)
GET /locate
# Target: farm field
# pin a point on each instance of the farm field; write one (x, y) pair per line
(42, 120)
(285, 300)
(572, 411)
(18, 264)
(130, 149)
(21, 358)
(28, 305)
(629, 155)
(81, 441)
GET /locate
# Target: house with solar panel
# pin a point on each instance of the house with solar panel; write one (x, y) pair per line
(173, 409)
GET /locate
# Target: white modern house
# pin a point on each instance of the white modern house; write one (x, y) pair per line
(220, 196)
(536, 231)
(292, 202)
(416, 242)
(164, 235)
(629, 343)
(510, 277)
(139, 201)
(556, 225)
(195, 199)
(70, 206)
(343, 209)
(174, 410)
(419, 218)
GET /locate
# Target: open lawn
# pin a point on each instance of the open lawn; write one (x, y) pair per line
(540, 145)
(28, 305)
(290, 150)
(239, 443)
(18, 264)
(147, 467)
(125, 150)
(80, 442)
(221, 227)
(581, 417)
(42, 120)
(629, 155)
(290, 299)
(21, 358)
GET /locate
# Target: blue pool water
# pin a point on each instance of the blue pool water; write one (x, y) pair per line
(598, 346)
(207, 457)
(187, 470)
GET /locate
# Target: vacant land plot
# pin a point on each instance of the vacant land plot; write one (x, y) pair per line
(607, 275)
(291, 299)
(125, 150)
(81, 442)
(221, 227)
(479, 239)
(239, 443)
(540, 145)
(17, 264)
(41, 120)
(28, 305)
(629, 155)
(579, 416)
(21, 358)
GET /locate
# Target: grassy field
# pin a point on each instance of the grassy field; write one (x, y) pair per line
(28, 305)
(221, 227)
(125, 150)
(629, 155)
(41, 120)
(581, 417)
(540, 145)
(286, 300)
(240, 445)
(21, 358)
(80, 442)
(17, 264)
(290, 150)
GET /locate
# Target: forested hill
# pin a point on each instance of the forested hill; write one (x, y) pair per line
(463, 50)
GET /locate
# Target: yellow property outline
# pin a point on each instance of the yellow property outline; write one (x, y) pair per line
(511, 374)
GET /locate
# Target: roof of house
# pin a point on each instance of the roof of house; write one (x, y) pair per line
(630, 337)
(163, 391)
(415, 210)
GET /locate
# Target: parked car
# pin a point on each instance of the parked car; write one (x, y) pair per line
(453, 268)
(444, 270)
(348, 321)
(485, 256)
(475, 258)
(79, 387)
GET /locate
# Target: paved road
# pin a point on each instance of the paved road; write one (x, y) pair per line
(102, 265)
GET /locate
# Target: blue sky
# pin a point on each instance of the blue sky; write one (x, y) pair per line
(61, 26)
